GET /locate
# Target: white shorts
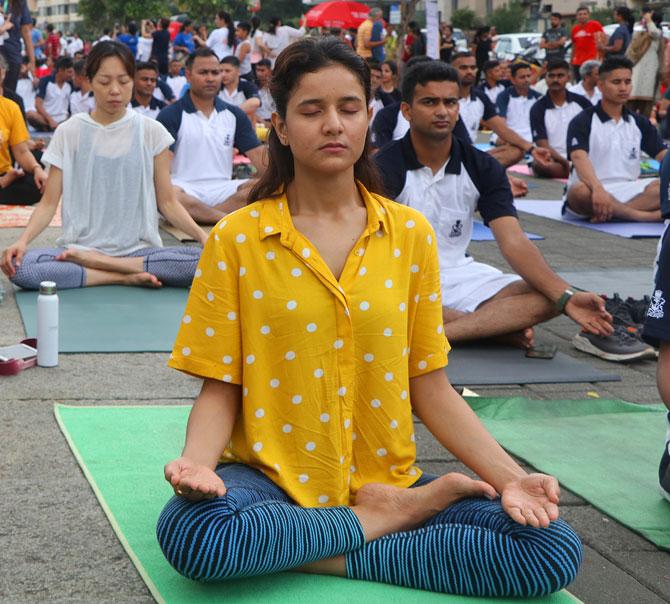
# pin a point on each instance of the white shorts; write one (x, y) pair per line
(465, 287)
(210, 193)
(623, 192)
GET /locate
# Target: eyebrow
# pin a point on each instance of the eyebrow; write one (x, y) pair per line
(344, 99)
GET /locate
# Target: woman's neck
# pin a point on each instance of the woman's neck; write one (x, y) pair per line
(388, 87)
(105, 118)
(311, 193)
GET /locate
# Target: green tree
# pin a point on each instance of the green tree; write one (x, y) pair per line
(604, 15)
(465, 19)
(509, 19)
(104, 13)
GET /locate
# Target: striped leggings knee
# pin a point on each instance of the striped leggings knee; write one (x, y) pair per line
(471, 548)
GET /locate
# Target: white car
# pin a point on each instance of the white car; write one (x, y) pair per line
(510, 46)
(611, 28)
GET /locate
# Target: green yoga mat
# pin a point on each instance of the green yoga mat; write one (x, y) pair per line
(122, 450)
(606, 451)
(112, 318)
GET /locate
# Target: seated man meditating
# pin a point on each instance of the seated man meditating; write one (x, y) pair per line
(448, 179)
(112, 169)
(315, 323)
(604, 145)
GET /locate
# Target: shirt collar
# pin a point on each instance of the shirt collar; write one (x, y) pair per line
(412, 161)
(604, 117)
(275, 218)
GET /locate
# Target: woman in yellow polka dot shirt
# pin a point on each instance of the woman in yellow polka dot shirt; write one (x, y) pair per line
(315, 320)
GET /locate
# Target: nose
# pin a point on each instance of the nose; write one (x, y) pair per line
(332, 124)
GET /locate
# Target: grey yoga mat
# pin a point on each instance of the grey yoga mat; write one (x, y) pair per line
(552, 209)
(487, 365)
(634, 282)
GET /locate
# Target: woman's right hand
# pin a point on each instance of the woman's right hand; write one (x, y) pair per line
(193, 481)
(12, 257)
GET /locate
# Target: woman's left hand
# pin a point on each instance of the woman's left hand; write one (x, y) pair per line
(532, 500)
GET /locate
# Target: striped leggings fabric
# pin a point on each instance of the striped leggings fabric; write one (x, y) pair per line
(471, 548)
(173, 266)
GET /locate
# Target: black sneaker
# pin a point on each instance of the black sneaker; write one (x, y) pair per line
(621, 311)
(638, 308)
(620, 346)
(664, 474)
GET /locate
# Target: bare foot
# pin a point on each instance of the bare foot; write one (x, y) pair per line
(102, 262)
(80, 257)
(143, 280)
(384, 509)
(524, 338)
(10, 177)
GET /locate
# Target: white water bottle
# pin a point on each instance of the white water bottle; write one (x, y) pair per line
(47, 325)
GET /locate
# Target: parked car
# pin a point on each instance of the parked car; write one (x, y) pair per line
(526, 45)
(610, 29)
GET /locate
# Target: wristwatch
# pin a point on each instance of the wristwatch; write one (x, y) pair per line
(563, 300)
(532, 148)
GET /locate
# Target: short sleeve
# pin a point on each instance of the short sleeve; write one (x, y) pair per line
(579, 131)
(170, 119)
(26, 17)
(209, 341)
(42, 87)
(495, 195)
(54, 155)
(249, 89)
(652, 143)
(537, 124)
(166, 90)
(502, 102)
(384, 124)
(157, 137)
(428, 344)
(18, 132)
(489, 108)
(245, 137)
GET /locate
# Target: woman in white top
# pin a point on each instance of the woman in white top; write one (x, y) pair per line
(145, 42)
(243, 49)
(222, 39)
(112, 169)
(279, 36)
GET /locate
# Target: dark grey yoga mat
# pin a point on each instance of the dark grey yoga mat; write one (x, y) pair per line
(487, 365)
(635, 282)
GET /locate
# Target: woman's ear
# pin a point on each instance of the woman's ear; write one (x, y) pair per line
(279, 126)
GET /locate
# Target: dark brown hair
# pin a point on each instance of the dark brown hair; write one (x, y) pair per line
(309, 55)
(106, 49)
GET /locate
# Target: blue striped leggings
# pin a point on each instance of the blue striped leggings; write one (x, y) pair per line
(471, 548)
(173, 266)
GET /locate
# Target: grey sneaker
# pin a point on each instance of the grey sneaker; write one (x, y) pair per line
(620, 346)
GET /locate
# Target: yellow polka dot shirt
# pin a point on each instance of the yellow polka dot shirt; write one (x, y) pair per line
(324, 364)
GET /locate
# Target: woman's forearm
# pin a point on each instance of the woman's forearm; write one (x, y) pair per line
(46, 208)
(177, 215)
(458, 429)
(210, 424)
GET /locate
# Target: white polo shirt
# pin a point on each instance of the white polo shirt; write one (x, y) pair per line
(550, 122)
(203, 148)
(579, 89)
(56, 98)
(176, 83)
(475, 108)
(81, 102)
(516, 110)
(151, 110)
(245, 90)
(613, 147)
(471, 180)
(491, 91)
(26, 90)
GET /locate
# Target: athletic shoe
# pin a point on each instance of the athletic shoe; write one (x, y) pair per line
(620, 346)
(621, 311)
(638, 308)
(664, 474)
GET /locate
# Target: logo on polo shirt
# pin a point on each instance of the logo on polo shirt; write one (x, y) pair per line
(656, 305)
(632, 153)
(227, 140)
(456, 229)
(574, 141)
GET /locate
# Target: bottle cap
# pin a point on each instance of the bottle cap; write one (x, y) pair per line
(48, 287)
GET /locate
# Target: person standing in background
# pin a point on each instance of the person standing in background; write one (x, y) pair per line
(183, 44)
(279, 36)
(553, 39)
(583, 37)
(145, 42)
(161, 46)
(129, 37)
(482, 49)
(646, 52)
(222, 39)
(447, 42)
(620, 39)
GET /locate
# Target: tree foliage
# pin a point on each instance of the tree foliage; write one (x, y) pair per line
(104, 13)
(509, 19)
(465, 19)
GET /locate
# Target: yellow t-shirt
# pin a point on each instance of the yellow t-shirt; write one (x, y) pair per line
(363, 33)
(13, 131)
(324, 364)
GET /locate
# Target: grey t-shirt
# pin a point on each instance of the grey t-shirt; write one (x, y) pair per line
(551, 35)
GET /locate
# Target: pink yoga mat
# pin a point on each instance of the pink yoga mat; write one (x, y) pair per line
(18, 216)
(526, 171)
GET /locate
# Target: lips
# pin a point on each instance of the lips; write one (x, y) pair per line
(332, 147)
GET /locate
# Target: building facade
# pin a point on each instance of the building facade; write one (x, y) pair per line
(62, 14)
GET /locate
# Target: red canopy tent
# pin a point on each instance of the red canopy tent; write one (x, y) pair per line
(342, 14)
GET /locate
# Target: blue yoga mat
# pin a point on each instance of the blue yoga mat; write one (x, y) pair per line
(552, 209)
(484, 233)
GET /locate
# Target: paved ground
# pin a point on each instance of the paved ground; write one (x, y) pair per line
(57, 546)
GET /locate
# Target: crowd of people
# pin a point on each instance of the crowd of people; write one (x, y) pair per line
(145, 124)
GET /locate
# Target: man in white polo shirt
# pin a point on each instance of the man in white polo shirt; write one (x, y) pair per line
(53, 94)
(448, 179)
(604, 145)
(144, 101)
(206, 130)
(550, 116)
(588, 85)
(236, 91)
(514, 103)
(475, 107)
